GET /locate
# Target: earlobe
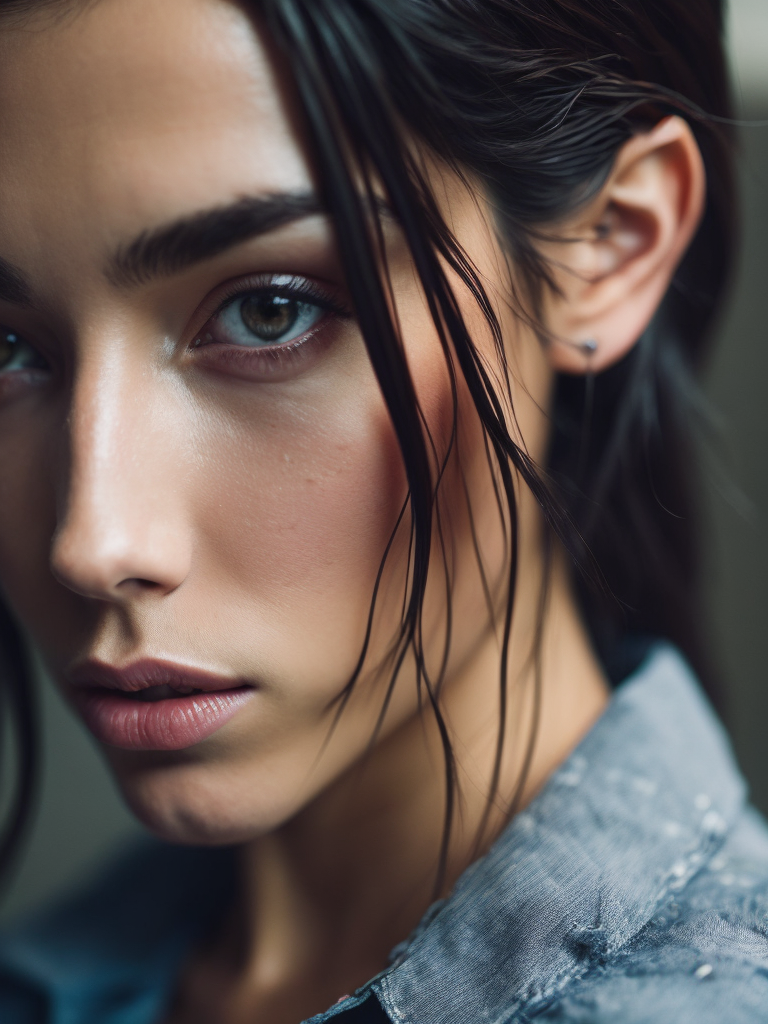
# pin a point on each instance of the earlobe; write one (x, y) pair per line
(614, 261)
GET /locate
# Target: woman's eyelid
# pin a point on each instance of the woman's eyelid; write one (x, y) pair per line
(292, 286)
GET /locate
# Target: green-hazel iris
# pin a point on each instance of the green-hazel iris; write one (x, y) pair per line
(269, 316)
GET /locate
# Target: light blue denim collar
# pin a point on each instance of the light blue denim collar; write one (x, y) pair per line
(642, 804)
(644, 801)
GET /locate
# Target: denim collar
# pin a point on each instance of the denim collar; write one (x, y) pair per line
(639, 807)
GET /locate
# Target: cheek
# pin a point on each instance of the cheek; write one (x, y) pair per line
(294, 514)
(295, 505)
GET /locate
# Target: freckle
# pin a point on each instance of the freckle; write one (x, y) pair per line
(703, 972)
(702, 802)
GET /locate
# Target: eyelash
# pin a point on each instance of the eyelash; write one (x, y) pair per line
(267, 359)
(262, 361)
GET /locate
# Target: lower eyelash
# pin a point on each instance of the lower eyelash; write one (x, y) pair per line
(267, 360)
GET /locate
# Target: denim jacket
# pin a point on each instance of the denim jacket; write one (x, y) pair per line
(632, 890)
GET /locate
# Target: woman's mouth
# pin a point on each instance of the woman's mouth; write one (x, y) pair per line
(163, 692)
(154, 705)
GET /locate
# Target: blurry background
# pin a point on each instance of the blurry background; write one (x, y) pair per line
(81, 818)
(737, 386)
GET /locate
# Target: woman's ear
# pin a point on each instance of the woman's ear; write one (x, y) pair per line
(614, 261)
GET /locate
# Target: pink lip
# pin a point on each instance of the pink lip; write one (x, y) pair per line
(174, 722)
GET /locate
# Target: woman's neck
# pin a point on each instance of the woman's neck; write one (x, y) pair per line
(324, 898)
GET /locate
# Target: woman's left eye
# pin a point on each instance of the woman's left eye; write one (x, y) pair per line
(17, 354)
(262, 318)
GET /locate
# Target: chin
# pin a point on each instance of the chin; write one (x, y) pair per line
(199, 806)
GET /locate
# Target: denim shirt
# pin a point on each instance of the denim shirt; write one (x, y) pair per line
(632, 890)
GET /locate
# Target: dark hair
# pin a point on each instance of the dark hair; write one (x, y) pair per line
(530, 103)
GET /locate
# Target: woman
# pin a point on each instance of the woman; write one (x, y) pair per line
(344, 408)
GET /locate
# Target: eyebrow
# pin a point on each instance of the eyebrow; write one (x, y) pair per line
(13, 285)
(201, 236)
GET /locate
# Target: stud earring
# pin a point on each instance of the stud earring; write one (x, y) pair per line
(588, 347)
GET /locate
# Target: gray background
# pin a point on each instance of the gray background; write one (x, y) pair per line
(81, 817)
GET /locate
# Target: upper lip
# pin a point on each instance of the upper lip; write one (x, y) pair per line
(147, 672)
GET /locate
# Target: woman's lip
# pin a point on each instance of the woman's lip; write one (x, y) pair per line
(103, 695)
(170, 724)
(146, 672)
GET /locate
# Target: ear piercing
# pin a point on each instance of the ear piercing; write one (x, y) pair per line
(587, 348)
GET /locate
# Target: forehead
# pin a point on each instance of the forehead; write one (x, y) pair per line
(125, 113)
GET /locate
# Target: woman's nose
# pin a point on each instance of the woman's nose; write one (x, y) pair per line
(120, 527)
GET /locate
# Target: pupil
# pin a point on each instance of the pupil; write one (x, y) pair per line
(269, 316)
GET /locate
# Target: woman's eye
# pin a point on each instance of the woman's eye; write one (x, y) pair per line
(270, 327)
(18, 354)
(263, 318)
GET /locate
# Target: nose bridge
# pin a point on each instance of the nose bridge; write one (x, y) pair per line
(118, 508)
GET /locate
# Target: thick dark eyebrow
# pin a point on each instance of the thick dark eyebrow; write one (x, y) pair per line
(13, 285)
(201, 236)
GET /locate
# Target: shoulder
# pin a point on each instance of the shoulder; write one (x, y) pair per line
(124, 929)
(701, 959)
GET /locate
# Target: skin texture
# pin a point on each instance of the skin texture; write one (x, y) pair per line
(180, 502)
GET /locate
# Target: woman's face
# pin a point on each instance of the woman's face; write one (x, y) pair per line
(196, 466)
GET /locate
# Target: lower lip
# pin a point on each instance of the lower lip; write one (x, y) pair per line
(171, 724)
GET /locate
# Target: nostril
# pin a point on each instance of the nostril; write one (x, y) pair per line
(135, 585)
(106, 578)
(121, 556)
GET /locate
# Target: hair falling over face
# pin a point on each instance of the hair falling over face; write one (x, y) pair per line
(528, 107)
